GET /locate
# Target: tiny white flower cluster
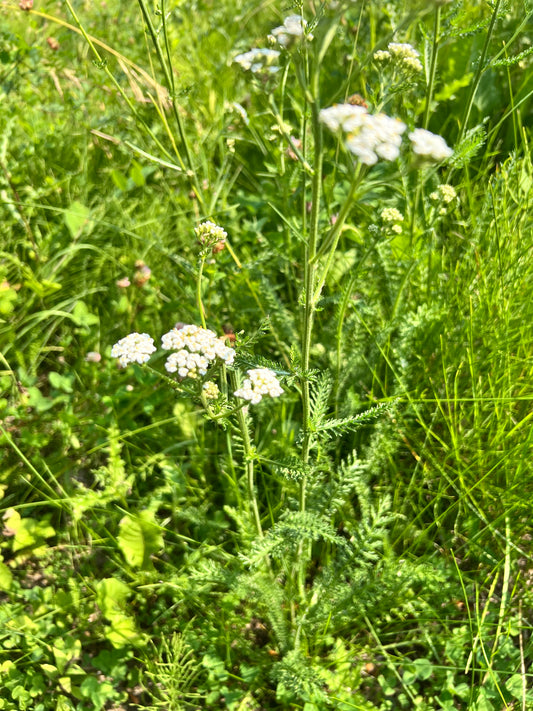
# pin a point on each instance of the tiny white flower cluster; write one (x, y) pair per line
(368, 136)
(444, 193)
(291, 31)
(403, 54)
(391, 214)
(211, 390)
(209, 233)
(258, 61)
(196, 348)
(260, 381)
(135, 348)
(390, 217)
(429, 146)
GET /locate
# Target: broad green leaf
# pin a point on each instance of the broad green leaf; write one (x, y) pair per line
(7, 299)
(27, 532)
(123, 631)
(139, 538)
(111, 595)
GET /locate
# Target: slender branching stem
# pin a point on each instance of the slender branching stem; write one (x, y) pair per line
(432, 66)
(166, 68)
(199, 303)
(248, 463)
(479, 71)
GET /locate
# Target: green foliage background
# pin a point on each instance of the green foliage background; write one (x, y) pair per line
(131, 576)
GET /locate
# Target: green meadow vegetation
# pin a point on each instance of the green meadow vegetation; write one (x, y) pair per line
(315, 492)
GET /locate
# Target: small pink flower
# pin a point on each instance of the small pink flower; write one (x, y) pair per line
(93, 357)
(123, 283)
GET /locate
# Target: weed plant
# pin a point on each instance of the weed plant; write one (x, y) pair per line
(314, 491)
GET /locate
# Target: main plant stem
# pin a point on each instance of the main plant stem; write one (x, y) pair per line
(248, 463)
(309, 308)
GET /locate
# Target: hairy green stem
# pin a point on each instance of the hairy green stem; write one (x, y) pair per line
(199, 303)
(248, 463)
(310, 270)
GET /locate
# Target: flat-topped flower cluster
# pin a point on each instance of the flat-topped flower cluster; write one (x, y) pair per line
(135, 348)
(373, 136)
(264, 61)
(402, 55)
(195, 349)
(260, 381)
(368, 136)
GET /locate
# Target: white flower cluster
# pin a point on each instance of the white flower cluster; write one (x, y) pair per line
(391, 214)
(258, 61)
(390, 217)
(444, 193)
(135, 348)
(209, 233)
(429, 146)
(403, 54)
(368, 136)
(291, 31)
(211, 390)
(196, 348)
(260, 381)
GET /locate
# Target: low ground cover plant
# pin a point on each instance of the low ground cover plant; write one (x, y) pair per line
(265, 355)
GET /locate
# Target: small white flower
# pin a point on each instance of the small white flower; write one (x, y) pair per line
(391, 214)
(196, 348)
(258, 60)
(369, 137)
(211, 390)
(402, 54)
(209, 234)
(135, 348)
(292, 30)
(430, 146)
(260, 382)
(445, 193)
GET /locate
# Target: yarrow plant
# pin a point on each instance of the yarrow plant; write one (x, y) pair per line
(429, 146)
(258, 61)
(292, 31)
(369, 137)
(402, 55)
(260, 382)
(134, 348)
(196, 348)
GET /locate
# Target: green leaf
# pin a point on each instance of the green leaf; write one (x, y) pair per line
(139, 538)
(111, 595)
(136, 174)
(61, 382)
(423, 668)
(123, 631)
(77, 218)
(7, 298)
(27, 532)
(6, 577)
(82, 316)
(119, 179)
